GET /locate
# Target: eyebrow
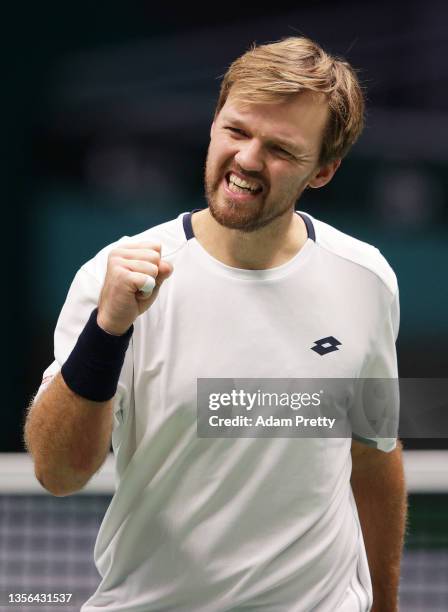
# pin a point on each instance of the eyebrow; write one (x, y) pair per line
(288, 144)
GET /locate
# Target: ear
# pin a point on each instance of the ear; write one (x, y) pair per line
(324, 174)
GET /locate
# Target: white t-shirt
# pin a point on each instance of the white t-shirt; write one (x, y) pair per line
(215, 524)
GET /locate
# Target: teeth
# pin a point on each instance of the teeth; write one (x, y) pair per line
(237, 189)
(239, 182)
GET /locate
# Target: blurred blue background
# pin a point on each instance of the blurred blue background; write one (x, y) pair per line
(107, 124)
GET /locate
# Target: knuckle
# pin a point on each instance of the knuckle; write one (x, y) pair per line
(151, 255)
(153, 269)
(114, 259)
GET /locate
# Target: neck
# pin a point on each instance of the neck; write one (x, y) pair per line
(268, 247)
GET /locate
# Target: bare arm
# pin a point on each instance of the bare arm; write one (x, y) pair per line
(380, 492)
(68, 437)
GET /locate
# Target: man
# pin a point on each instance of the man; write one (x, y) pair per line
(245, 288)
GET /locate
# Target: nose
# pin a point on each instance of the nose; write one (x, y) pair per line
(250, 156)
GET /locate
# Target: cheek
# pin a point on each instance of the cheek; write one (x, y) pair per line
(287, 184)
(221, 150)
(284, 178)
(216, 163)
(213, 155)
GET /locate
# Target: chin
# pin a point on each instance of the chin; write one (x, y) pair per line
(231, 216)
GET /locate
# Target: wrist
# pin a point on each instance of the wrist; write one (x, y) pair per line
(111, 330)
(93, 368)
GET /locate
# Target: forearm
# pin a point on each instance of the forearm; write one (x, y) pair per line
(68, 437)
(380, 494)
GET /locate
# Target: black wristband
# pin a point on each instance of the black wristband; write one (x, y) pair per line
(93, 367)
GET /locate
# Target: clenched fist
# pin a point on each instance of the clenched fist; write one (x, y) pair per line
(128, 267)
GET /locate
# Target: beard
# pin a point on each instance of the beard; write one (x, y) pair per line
(245, 217)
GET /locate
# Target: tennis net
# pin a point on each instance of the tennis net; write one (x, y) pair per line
(46, 542)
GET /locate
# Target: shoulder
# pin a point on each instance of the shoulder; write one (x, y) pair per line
(355, 252)
(170, 235)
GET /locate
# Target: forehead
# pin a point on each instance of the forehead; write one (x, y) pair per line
(300, 119)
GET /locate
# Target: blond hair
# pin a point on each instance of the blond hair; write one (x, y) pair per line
(277, 71)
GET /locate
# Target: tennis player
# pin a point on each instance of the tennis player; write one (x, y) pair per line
(245, 288)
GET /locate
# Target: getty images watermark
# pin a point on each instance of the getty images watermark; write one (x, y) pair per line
(256, 401)
(322, 408)
(315, 408)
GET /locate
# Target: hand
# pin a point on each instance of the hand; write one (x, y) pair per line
(121, 300)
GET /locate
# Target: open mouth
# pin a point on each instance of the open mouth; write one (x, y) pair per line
(238, 185)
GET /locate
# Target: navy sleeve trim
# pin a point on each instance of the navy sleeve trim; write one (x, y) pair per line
(309, 226)
(188, 227)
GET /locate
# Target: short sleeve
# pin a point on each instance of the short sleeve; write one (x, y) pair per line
(375, 420)
(82, 298)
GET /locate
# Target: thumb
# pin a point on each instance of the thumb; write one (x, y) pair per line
(165, 270)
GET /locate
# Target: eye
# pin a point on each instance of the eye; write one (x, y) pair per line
(282, 152)
(235, 130)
